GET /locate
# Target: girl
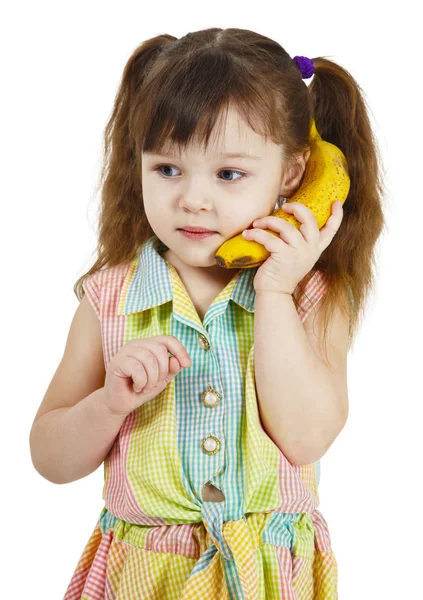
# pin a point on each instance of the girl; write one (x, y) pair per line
(207, 392)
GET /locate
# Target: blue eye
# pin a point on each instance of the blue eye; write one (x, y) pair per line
(241, 173)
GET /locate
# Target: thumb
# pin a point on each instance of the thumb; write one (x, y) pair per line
(174, 366)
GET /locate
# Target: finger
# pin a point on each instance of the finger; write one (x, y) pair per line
(174, 366)
(271, 241)
(172, 344)
(125, 366)
(129, 367)
(289, 233)
(162, 356)
(328, 231)
(150, 362)
(309, 227)
(165, 366)
(138, 374)
(142, 383)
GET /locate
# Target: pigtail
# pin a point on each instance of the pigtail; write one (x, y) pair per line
(341, 117)
(122, 221)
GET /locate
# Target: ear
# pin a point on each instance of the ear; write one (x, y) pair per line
(293, 175)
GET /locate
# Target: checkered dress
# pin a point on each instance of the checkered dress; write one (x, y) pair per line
(155, 537)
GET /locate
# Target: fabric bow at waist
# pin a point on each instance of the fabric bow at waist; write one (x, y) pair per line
(231, 541)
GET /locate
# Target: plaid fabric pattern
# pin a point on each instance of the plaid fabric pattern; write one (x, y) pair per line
(155, 537)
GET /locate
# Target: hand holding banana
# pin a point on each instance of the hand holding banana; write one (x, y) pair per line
(326, 180)
(293, 253)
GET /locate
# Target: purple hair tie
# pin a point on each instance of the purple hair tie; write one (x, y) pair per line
(305, 65)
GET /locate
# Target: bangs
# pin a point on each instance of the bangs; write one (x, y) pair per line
(185, 103)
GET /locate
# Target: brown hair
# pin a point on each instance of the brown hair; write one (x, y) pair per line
(173, 90)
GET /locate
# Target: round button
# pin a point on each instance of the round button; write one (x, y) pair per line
(202, 340)
(210, 444)
(210, 397)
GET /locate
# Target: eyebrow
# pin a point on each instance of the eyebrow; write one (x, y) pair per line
(221, 155)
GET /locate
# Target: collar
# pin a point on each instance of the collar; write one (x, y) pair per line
(147, 282)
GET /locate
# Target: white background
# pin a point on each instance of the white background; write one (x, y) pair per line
(61, 65)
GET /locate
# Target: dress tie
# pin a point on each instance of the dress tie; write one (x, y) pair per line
(230, 541)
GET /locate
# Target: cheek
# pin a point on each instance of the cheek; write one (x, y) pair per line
(234, 224)
(153, 212)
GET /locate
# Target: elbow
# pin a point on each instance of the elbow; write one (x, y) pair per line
(304, 452)
(41, 470)
(301, 453)
(44, 475)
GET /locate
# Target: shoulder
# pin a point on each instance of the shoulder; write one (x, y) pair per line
(103, 287)
(108, 276)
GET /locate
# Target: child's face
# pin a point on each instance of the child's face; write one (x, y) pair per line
(198, 189)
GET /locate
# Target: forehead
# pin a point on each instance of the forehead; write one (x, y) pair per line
(231, 137)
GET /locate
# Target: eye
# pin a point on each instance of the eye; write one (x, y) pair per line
(240, 173)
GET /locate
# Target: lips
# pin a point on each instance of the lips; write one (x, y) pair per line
(197, 229)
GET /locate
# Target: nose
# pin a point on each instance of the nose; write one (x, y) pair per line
(193, 199)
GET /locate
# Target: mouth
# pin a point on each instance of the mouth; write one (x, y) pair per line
(197, 230)
(197, 235)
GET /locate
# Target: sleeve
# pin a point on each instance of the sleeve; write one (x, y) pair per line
(92, 289)
(314, 291)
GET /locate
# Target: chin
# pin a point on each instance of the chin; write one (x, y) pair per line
(198, 257)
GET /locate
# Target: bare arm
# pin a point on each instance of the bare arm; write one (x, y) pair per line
(71, 442)
(299, 397)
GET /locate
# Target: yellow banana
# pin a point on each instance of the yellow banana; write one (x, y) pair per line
(325, 180)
